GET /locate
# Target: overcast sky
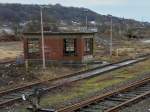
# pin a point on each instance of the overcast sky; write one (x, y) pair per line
(135, 9)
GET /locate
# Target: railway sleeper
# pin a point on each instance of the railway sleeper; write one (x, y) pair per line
(104, 107)
(144, 89)
(140, 88)
(1, 100)
(131, 101)
(89, 110)
(109, 103)
(120, 99)
(129, 94)
(27, 92)
(137, 92)
(124, 97)
(8, 97)
(116, 99)
(14, 95)
(96, 108)
(100, 106)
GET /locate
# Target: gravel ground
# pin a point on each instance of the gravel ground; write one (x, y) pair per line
(143, 106)
(108, 89)
(67, 88)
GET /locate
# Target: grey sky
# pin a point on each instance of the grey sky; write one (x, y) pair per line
(135, 9)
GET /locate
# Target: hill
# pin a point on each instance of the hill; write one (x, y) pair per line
(12, 14)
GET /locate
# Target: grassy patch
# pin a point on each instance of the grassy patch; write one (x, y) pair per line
(10, 49)
(81, 91)
(84, 88)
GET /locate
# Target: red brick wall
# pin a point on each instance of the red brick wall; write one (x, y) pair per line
(54, 48)
(25, 48)
(79, 52)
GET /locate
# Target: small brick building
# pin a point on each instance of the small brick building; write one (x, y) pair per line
(64, 47)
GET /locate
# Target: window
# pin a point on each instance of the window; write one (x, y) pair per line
(88, 48)
(69, 47)
(33, 46)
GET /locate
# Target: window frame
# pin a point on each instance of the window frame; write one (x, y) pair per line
(36, 46)
(88, 47)
(67, 45)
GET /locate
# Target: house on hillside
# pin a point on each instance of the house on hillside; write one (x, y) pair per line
(60, 47)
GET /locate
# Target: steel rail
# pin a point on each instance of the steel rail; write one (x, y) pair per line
(59, 78)
(137, 98)
(96, 99)
(78, 75)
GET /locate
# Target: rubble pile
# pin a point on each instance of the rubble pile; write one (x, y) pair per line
(12, 74)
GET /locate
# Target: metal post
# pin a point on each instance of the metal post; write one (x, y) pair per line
(120, 32)
(117, 52)
(43, 43)
(86, 19)
(111, 36)
(86, 22)
(26, 64)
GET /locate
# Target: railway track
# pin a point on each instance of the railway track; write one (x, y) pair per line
(10, 61)
(115, 100)
(13, 95)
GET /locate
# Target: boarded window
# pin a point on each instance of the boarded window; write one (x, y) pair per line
(69, 47)
(33, 46)
(88, 48)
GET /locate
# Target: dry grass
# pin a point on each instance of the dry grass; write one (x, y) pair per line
(9, 50)
(84, 88)
(55, 72)
(127, 49)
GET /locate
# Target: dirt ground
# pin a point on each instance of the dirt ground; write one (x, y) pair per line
(14, 76)
(121, 50)
(81, 90)
(9, 50)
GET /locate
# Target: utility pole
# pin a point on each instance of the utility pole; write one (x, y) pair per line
(86, 19)
(86, 22)
(43, 43)
(120, 32)
(111, 36)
